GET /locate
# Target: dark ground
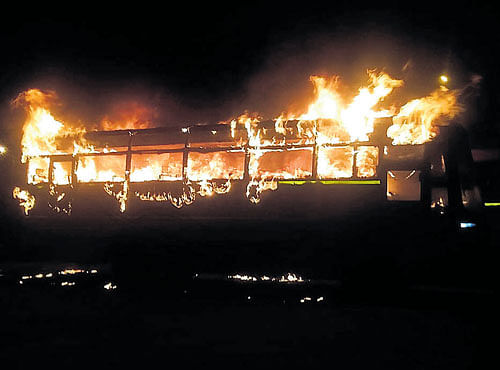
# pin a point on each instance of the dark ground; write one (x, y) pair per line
(398, 292)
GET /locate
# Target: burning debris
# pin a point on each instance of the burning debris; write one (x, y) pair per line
(26, 200)
(333, 139)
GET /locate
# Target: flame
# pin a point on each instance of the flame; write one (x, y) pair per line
(336, 162)
(41, 136)
(26, 200)
(110, 168)
(341, 122)
(414, 124)
(38, 170)
(256, 187)
(331, 120)
(41, 129)
(55, 201)
(328, 139)
(327, 103)
(128, 115)
(121, 196)
(217, 165)
(367, 161)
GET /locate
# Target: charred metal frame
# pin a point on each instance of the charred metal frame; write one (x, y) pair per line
(188, 148)
(453, 150)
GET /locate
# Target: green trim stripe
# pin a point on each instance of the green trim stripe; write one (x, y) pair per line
(330, 182)
(492, 204)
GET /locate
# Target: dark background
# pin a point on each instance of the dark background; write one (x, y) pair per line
(207, 62)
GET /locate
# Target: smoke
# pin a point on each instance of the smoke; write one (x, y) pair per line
(79, 101)
(281, 82)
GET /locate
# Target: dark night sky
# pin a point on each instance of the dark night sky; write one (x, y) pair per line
(206, 55)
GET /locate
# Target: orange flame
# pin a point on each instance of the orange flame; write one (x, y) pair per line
(128, 115)
(414, 124)
(26, 200)
(41, 134)
(342, 122)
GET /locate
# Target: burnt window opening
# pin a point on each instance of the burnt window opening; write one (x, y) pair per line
(215, 165)
(156, 167)
(62, 172)
(437, 166)
(439, 199)
(403, 185)
(367, 160)
(278, 164)
(335, 162)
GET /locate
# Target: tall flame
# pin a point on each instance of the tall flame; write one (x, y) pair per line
(41, 134)
(350, 122)
(26, 200)
(41, 128)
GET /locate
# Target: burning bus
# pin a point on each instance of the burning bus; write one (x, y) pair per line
(307, 160)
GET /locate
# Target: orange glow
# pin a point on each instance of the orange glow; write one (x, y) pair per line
(272, 164)
(415, 122)
(352, 121)
(38, 170)
(61, 173)
(336, 162)
(216, 165)
(156, 167)
(128, 115)
(26, 200)
(367, 161)
(41, 129)
(101, 168)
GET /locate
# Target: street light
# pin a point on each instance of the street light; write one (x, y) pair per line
(444, 79)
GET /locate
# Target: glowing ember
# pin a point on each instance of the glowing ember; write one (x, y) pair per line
(71, 271)
(156, 167)
(110, 286)
(38, 170)
(367, 161)
(242, 277)
(288, 278)
(291, 278)
(109, 168)
(121, 196)
(216, 165)
(55, 201)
